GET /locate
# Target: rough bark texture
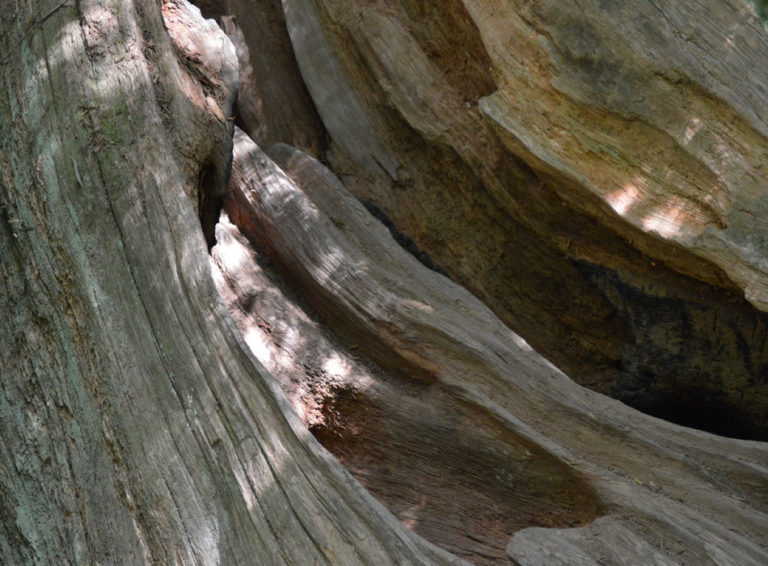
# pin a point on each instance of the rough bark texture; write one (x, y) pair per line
(461, 427)
(593, 173)
(136, 427)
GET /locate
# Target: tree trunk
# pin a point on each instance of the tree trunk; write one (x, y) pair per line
(138, 425)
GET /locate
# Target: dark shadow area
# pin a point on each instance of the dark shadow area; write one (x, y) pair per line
(403, 240)
(761, 8)
(697, 358)
(209, 203)
(697, 411)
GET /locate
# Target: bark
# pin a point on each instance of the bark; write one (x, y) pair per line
(136, 427)
(139, 423)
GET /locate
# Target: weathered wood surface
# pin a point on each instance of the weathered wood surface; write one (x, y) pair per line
(444, 467)
(136, 427)
(274, 105)
(614, 154)
(667, 494)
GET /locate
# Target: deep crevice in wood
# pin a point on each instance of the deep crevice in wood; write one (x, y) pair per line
(210, 203)
(403, 240)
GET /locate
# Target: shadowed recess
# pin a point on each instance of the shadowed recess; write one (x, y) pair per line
(452, 473)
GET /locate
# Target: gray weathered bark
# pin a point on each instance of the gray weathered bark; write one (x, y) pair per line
(138, 427)
(135, 426)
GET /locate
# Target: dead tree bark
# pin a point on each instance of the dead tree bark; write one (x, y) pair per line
(135, 426)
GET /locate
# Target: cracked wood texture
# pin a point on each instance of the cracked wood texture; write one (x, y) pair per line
(547, 154)
(136, 427)
(460, 427)
(613, 153)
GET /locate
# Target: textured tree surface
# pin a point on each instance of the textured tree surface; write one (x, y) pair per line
(136, 427)
(594, 174)
(614, 154)
(458, 425)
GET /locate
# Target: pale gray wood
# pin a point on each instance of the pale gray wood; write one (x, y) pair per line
(613, 153)
(344, 116)
(136, 427)
(273, 105)
(688, 496)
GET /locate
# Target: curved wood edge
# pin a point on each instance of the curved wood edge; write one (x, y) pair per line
(694, 496)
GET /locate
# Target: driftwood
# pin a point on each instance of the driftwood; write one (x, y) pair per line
(459, 395)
